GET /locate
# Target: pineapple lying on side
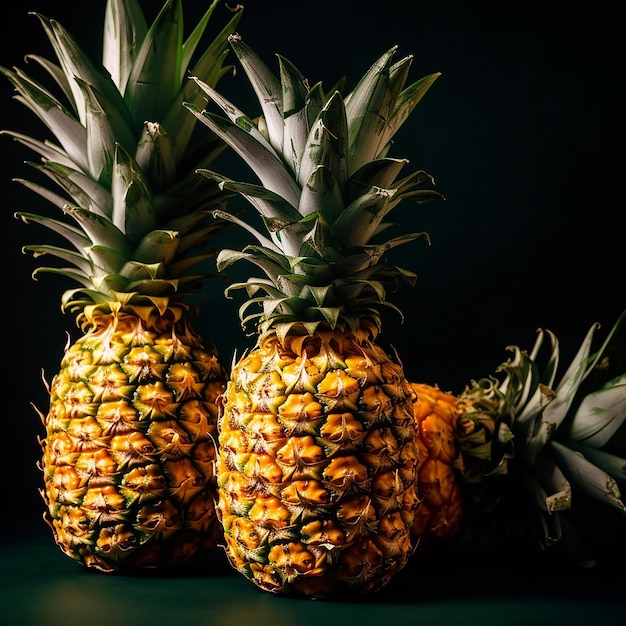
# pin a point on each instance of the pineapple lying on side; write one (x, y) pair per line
(317, 456)
(129, 451)
(519, 454)
(440, 514)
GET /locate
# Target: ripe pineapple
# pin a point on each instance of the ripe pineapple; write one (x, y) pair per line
(128, 454)
(440, 513)
(317, 456)
(519, 455)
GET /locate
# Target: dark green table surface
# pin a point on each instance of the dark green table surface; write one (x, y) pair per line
(40, 586)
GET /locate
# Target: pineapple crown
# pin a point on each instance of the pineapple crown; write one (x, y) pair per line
(563, 439)
(124, 157)
(327, 185)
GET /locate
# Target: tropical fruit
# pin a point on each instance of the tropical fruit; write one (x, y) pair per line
(525, 455)
(440, 514)
(317, 452)
(129, 448)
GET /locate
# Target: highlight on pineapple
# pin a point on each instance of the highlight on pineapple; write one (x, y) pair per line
(527, 458)
(317, 456)
(129, 450)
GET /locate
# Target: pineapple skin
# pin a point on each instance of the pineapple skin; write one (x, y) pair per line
(129, 451)
(440, 515)
(458, 475)
(317, 465)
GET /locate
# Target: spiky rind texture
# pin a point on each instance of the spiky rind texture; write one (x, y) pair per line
(129, 451)
(317, 464)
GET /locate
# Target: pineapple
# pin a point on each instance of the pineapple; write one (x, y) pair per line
(520, 455)
(128, 453)
(440, 514)
(317, 458)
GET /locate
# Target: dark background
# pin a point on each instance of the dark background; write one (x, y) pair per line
(523, 133)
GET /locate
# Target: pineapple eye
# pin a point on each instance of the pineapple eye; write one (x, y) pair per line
(344, 472)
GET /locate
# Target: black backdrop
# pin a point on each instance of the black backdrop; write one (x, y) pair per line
(523, 133)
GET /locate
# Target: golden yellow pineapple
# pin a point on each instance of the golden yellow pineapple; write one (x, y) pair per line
(317, 458)
(129, 449)
(520, 456)
(439, 516)
(317, 464)
(129, 445)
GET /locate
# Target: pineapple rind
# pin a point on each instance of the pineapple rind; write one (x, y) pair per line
(317, 465)
(129, 452)
(440, 514)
